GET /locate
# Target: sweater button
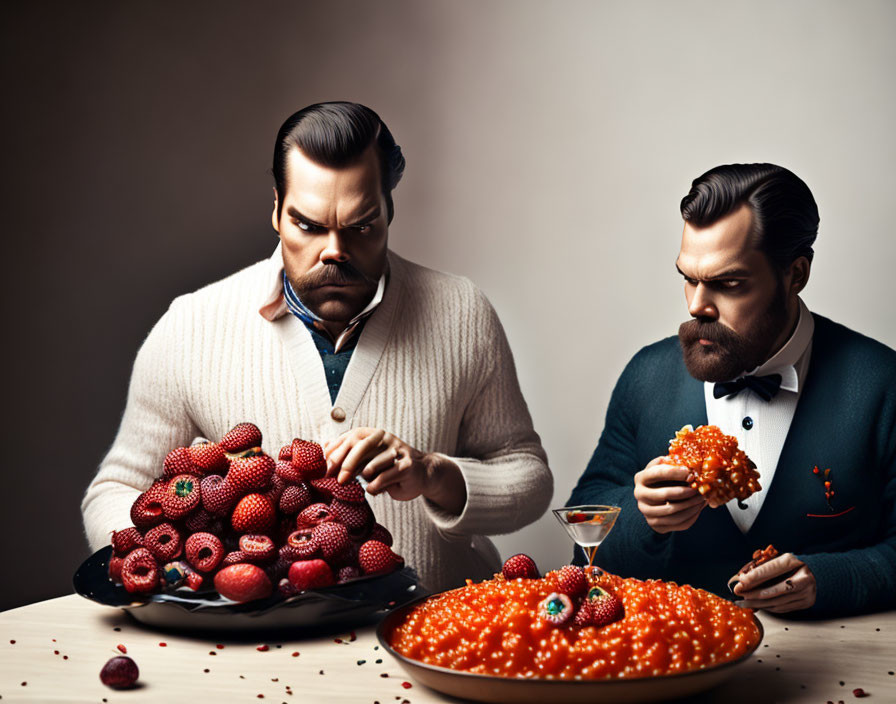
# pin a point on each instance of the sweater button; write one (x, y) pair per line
(337, 414)
(747, 423)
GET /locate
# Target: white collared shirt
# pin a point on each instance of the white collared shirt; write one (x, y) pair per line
(768, 421)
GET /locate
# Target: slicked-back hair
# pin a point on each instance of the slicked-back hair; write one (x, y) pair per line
(335, 135)
(785, 216)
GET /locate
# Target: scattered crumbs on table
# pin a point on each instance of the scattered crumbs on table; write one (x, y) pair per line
(242, 677)
(275, 679)
(163, 644)
(335, 640)
(786, 628)
(212, 652)
(858, 693)
(842, 683)
(12, 642)
(842, 626)
(759, 660)
(295, 653)
(321, 672)
(117, 628)
(65, 657)
(352, 637)
(876, 629)
(54, 640)
(278, 645)
(777, 656)
(361, 662)
(263, 648)
(55, 652)
(777, 669)
(122, 648)
(376, 647)
(765, 646)
(406, 685)
(379, 661)
(261, 696)
(384, 674)
(205, 670)
(891, 672)
(24, 684)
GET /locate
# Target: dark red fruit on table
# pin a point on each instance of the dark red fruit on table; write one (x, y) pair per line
(181, 496)
(179, 461)
(243, 582)
(218, 495)
(253, 514)
(247, 473)
(294, 498)
(520, 565)
(375, 557)
(351, 492)
(241, 437)
(314, 515)
(208, 457)
(204, 551)
(146, 511)
(308, 459)
(325, 487)
(257, 548)
(123, 541)
(332, 539)
(164, 542)
(140, 572)
(310, 574)
(119, 673)
(572, 580)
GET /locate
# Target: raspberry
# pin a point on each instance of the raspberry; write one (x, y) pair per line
(243, 582)
(164, 542)
(607, 607)
(247, 473)
(347, 573)
(380, 533)
(218, 495)
(285, 453)
(234, 557)
(585, 615)
(300, 545)
(139, 572)
(288, 473)
(520, 566)
(204, 551)
(208, 457)
(313, 515)
(115, 564)
(294, 498)
(358, 518)
(179, 461)
(119, 673)
(556, 608)
(194, 580)
(123, 541)
(257, 548)
(308, 459)
(241, 437)
(277, 569)
(572, 580)
(351, 492)
(333, 540)
(324, 487)
(253, 514)
(198, 521)
(310, 574)
(181, 496)
(375, 557)
(146, 511)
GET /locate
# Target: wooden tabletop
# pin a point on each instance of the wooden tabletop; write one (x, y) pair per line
(53, 651)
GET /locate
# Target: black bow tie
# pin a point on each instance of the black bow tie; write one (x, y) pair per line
(766, 387)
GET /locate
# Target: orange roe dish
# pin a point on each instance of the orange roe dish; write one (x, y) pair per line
(494, 628)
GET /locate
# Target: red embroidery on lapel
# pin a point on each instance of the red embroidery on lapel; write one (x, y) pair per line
(829, 515)
(825, 477)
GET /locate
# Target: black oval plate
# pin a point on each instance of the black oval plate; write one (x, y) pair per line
(354, 602)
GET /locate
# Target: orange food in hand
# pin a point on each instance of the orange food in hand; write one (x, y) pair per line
(720, 471)
(494, 628)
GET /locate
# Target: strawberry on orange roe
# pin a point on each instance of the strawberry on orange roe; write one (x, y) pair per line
(493, 628)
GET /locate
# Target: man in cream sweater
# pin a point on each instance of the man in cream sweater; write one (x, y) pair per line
(403, 373)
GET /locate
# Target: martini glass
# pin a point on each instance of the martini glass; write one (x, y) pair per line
(588, 526)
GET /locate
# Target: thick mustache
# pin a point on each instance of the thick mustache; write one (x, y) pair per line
(338, 274)
(691, 331)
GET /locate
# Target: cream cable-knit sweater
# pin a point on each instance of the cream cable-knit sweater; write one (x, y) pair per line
(432, 366)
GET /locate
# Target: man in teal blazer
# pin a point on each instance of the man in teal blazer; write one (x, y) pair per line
(811, 402)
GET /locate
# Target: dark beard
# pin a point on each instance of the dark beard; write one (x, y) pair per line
(731, 354)
(339, 273)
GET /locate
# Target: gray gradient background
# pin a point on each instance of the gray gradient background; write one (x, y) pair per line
(548, 145)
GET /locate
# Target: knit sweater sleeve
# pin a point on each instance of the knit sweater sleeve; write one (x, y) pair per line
(499, 453)
(156, 417)
(633, 547)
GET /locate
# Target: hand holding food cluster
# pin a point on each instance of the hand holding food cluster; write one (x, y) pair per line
(229, 512)
(572, 624)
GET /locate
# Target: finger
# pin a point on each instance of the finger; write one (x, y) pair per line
(788, 584)
(359, 454)
(331, 445)
(771, 570)
(673, 493)
(778, 605)
(382, 461)
(673, 508)
(678, 521)
(666, 473)
(384, 479)
(340, 449)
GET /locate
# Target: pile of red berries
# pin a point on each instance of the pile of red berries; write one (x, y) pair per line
(229, 512)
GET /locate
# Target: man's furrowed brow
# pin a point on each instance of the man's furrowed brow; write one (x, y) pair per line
(734, 273)
(372, 213)
(294, 213)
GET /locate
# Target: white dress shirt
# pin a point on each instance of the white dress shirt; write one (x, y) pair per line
(761, 427)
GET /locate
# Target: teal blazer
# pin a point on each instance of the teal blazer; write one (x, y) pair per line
(845, 421)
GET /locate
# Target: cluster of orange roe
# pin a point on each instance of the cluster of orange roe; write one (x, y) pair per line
(493, 628)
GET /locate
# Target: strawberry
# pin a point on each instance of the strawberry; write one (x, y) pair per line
(333, 540)
(234, 557)
(300, 545)
(199, 520)
(248, 473)
(324, 487)
(257, 547)
(572, 580)
(277, 569)
(243, 582)
(585, 615)
(294, 498)
(181, 496)
(288, 473)
(218, 495)
(351, 492)
(179, 461)
(347, 573)
(164, 542)
(358, 518)
(204, 551)
(308, 459)
(241, 437)
(380, 533)
(208, 457)
(607, 607)
(518, 566)
(139, 572)
(285, 453)
(313, 515)
(146, 511)
(123, 541)
(253, 514)
(375, 557)
(310, 574)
